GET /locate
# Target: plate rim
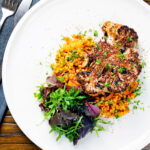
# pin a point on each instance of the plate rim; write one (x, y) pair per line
(35, 8)
(32, 10)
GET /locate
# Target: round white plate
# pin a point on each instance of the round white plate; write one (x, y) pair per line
(38, 34)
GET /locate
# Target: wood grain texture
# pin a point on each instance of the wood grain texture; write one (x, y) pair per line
(8, 113)
(18, 147)
(9, 128)
(8, 119)
(12, 138)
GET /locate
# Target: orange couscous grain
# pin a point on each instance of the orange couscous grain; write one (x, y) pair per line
(72, 58)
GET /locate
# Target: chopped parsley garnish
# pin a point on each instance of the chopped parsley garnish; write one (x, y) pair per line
(116, 110)
(107, 66)
(89, 39)
(109, 101)
(50, 54)
(60, 78)
(142, 108)
(60, 46)
(73, 55)
(90, 78)
(113, 66)
(85, 33)
(97, 46)
(62, 37)
(95, 33)
(70, 58)
(138, 91)
(98, 62)
(79, 35)
(134, 107)
(118, 45)
(99, 102)
(129, 100)
(122, 69)
(90, 30)
(76, 55)
(105, 37)
(51, 66)
(121, 56)
(105, 55)
(137, 102)
(74, 51)
(115, 31)
(130, 39)
(107, 84)
(117, 116)
(143, 64)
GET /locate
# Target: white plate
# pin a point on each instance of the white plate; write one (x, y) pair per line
(37, 34)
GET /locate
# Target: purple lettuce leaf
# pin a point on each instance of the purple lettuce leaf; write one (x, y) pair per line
(52, 79)
(93, 110)
(63, 118)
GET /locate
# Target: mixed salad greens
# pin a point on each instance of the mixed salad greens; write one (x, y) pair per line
(69, 111)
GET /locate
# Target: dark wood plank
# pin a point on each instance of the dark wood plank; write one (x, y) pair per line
(8, 112)
(8, 119)
(18, 147)
(14, 140)
(10, 129)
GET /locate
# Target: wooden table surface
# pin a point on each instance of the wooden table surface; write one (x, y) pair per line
(12, 138)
